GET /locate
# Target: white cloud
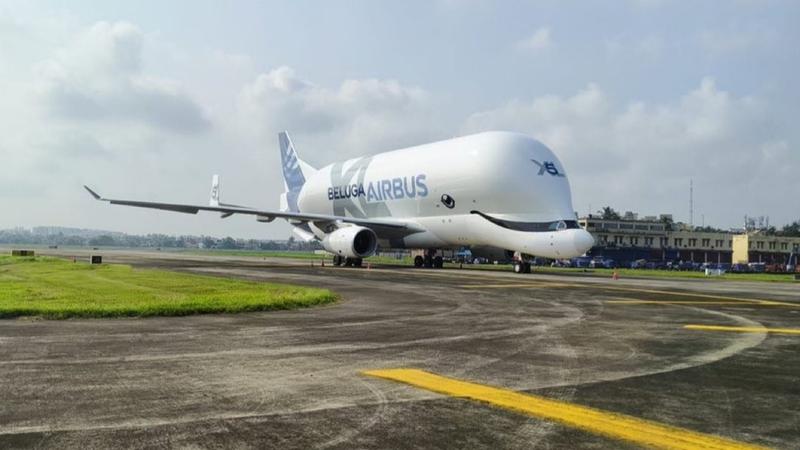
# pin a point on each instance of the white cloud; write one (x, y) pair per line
(640, 156)
(650, 46)
(98, 76)
(539, 40)
(735, 39)
(360, 116)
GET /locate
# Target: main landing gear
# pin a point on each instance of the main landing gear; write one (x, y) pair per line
(339, 260)
(429, 260)
(522, 267)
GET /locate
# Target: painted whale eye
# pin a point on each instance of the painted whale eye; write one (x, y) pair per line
(448, 201)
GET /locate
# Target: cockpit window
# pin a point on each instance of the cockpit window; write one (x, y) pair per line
(530, 226)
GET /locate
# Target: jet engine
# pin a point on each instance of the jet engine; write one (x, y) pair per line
(351, 242)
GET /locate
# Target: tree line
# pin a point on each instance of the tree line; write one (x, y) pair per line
(90, 238)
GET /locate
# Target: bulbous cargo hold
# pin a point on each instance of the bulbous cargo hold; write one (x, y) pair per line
(498, 189)
(509, 175)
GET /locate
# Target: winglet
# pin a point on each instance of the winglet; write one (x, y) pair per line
(214, 200)
(94, 194)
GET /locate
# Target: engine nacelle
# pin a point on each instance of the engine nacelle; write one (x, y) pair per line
(351, 242)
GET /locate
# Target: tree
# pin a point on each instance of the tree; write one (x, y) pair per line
(608, 213)
(709, 229)
(102, 240)
(668, 222)
(228, 243)
(209, 242)
(792, 229)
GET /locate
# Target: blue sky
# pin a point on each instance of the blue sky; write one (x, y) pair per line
(148, 99)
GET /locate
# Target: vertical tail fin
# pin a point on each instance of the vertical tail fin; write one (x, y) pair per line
(294, 173)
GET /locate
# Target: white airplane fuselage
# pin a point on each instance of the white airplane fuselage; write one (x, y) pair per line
(496, 189)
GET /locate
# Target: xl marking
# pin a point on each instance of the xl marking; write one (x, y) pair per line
(549, 167)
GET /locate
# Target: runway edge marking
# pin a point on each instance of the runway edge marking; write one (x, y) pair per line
(605, 423)
(742, 329)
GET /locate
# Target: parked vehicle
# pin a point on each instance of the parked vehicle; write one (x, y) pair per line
(775, 268)
(602, 263)
(656, 265)
(581, 262)
(740, 268)
(463, 256)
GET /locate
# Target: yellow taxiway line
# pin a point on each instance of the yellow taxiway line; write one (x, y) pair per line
(605, 423)
(743, 329)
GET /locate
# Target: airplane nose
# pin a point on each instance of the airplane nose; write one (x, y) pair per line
(583, 241)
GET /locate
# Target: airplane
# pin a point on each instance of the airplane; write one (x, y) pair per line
(496, 191)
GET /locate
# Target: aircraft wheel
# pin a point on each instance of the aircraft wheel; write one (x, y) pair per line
(358, 262)
(418, 261)
(519, 267)
(352, 262)
(337, 260)
(438, 262)
(526, 267)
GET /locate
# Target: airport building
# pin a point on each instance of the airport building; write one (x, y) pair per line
(658, 239)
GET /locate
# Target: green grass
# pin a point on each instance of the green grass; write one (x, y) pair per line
(642, 273)
(257, 253)
(296, 255)
(673, 274)
(59, 289)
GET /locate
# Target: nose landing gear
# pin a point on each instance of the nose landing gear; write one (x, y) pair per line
(520, 263)
(522, 267)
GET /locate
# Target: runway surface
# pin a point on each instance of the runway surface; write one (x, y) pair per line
(714, 358)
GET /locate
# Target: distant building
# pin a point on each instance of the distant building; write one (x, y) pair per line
(629, 239)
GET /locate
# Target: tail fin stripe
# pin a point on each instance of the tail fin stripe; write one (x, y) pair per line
(292, 175)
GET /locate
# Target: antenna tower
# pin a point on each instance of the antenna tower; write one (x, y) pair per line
(691, 203)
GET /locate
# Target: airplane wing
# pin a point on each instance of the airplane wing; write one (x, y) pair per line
(263, 215)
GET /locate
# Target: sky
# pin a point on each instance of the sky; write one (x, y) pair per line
(146, 100)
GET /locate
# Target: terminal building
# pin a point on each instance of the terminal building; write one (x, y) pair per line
(659, 239)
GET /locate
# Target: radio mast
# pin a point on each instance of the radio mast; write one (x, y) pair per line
(691, 203)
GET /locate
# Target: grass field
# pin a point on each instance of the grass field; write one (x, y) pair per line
(58, 289)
